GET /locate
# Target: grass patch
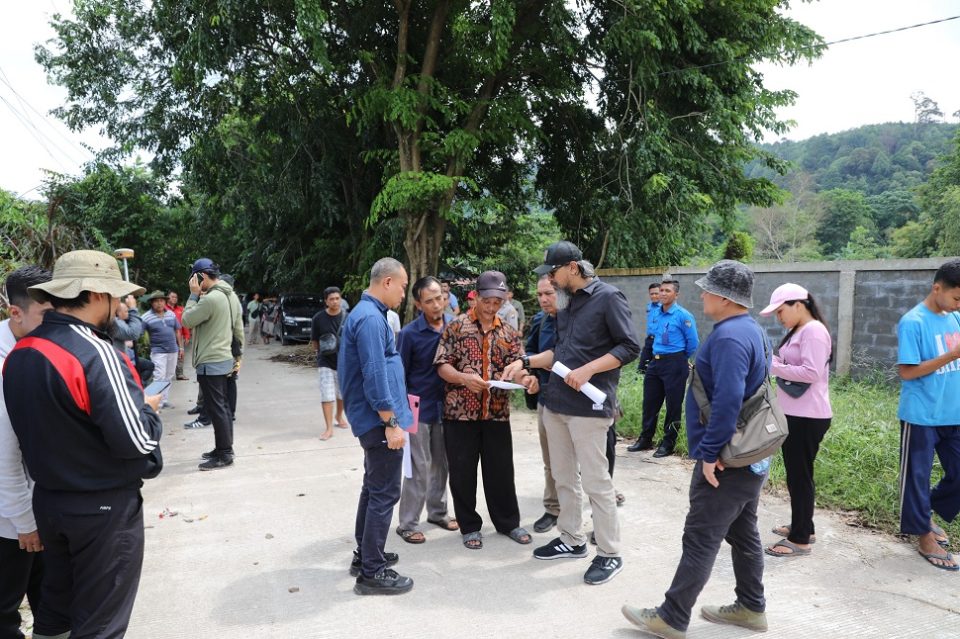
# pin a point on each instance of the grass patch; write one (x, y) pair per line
(859, 461)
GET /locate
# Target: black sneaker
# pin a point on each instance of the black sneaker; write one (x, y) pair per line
(602, 570)
(355, 565)
(216, 463)
(556, 549)
(385, 582)
(196, 424)
(210, 454)
(194, 411)
(545, 523)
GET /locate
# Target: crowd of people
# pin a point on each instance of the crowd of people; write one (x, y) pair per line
(79, 434)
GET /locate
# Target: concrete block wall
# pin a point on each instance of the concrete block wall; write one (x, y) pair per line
(861, 301)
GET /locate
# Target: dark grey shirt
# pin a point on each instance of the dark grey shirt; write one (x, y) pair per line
(597, 322)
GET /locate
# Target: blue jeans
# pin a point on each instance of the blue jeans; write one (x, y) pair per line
(380, 493)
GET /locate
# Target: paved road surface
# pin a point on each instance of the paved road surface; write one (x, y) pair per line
(267, 550)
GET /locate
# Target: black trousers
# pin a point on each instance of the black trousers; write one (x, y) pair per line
(93, 553)
(729, 513)
(217, 406)
(21, 573)
(612, 446)
(490, 444)
(646, 354)
(382, 470)
(666, 379)
(799, 452)
(231, 399)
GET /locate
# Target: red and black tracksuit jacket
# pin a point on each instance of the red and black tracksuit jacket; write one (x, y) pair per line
(76, 405)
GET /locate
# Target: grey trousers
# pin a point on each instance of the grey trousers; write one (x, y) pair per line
(428, 486)
(551, 504)
(729, 513)
(578, 461)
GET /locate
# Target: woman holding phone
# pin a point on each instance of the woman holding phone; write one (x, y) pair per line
(802, 369)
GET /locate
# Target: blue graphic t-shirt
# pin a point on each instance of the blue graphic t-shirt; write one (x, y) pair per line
(934, 399)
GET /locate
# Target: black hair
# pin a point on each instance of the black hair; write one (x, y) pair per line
(424, 282)
(811, 305)
(653, 286)
(20, 280)
(330, 290)
(948, 274)
(674, 283)
(77, 302)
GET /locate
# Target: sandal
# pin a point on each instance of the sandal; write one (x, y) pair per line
(520, 535)
(940, 532)
(411, 536)
(944, 556)
(795, 550)
(784, 531)
(446, 524)
(473, 541)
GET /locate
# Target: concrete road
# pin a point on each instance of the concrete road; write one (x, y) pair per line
(261, 549)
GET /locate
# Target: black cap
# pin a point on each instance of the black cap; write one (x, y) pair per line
(558, 254)
(492, 284)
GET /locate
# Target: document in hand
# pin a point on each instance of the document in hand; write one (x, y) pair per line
(588, 389)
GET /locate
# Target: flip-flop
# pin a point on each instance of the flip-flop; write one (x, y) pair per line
(341, 425)
(940, 532)
(779, 530)
(473, 537)
(446, 524)
(410, 536)
(520, 535)
(943, 556)
(795, 550)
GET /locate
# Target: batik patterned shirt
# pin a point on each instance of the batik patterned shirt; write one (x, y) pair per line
(468, 349)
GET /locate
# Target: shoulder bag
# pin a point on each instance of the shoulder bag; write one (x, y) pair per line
(761, 425)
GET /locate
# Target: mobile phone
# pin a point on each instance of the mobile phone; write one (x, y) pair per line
(199, 276)
(155, 388)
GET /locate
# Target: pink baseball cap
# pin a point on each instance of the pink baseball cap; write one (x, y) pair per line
(785, 293)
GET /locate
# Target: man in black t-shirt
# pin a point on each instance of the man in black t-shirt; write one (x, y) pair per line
(325, 340)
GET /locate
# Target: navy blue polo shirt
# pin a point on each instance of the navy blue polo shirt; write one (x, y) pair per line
(418, 345)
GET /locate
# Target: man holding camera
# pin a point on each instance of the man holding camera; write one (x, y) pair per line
(213, 313)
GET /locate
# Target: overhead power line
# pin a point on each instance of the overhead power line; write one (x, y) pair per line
(812, 46)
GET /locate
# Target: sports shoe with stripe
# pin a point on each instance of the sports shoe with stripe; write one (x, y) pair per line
(602, 570)
(556, 549)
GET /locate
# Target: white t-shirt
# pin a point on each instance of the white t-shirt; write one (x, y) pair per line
(394, 321)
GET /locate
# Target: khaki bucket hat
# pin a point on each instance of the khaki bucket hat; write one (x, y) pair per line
(79, 271)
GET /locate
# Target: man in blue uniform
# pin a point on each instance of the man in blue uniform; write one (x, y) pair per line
(675, 341)
(647, 353)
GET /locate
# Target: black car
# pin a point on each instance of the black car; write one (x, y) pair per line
(295, 313)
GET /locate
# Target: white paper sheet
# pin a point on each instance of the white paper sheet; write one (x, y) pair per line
(588, 389)
(407, 460)
(496, 383)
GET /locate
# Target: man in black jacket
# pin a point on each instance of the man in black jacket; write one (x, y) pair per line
(89, 438)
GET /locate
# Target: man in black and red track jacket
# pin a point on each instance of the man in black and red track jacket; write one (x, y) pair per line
(89, 438)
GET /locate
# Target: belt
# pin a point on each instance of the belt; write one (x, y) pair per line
(670, 356)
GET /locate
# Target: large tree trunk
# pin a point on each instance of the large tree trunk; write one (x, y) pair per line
(423, 236)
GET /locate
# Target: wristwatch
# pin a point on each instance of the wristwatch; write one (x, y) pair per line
(525, 360)
(391, 423)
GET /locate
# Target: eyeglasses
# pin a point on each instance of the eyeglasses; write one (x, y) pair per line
(554, 270)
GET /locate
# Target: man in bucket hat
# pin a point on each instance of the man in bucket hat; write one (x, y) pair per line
(732, 364)
(89, 438)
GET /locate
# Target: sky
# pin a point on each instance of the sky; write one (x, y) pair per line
(862, 82)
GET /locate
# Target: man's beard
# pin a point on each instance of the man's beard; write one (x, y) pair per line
(563, 298)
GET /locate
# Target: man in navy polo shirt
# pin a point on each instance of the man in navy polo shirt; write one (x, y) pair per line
(428, 485)
(674, 343)
(375, 399)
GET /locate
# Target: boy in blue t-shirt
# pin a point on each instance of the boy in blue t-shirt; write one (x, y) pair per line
(929, 347)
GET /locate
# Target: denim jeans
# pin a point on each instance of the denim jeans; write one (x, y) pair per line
(382, 468)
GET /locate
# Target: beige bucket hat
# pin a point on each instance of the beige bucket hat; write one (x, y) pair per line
(79, 271)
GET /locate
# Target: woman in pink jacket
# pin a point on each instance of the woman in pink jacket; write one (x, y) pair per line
(802, 369)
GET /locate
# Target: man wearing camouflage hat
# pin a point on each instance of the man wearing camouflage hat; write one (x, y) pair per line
(89, 438)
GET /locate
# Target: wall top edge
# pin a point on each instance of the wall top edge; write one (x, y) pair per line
(913, 264)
